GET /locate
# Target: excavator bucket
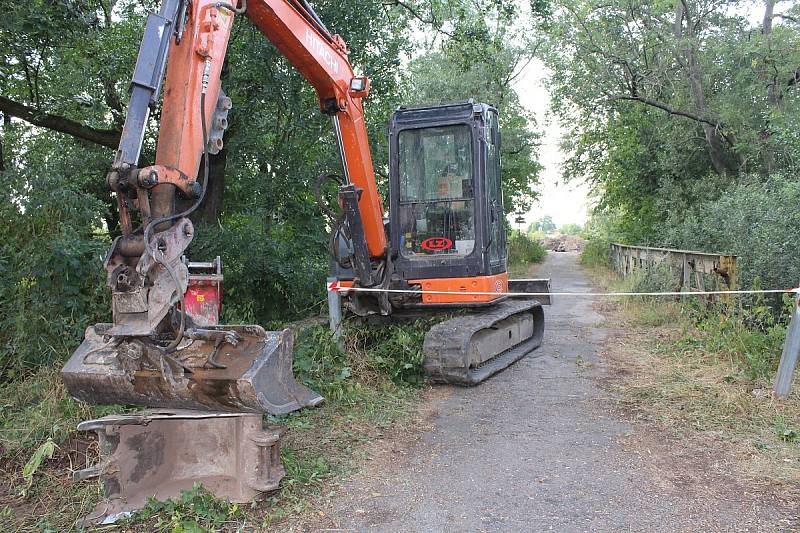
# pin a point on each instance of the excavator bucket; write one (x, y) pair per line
(219, 368)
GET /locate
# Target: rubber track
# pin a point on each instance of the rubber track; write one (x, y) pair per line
(446, 344)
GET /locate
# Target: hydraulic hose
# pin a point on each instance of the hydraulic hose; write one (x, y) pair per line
(230, 7)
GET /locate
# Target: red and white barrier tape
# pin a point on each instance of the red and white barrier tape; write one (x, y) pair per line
(337, 287)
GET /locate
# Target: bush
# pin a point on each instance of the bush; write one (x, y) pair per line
(523, 250)
(756, 219)
(196, 510)
(659, 278)
(596, 253)
(274, 270)
(51, 281)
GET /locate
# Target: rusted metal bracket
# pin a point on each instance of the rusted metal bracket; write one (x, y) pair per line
(158, 454)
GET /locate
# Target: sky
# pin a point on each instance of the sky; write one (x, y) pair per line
(565, 203)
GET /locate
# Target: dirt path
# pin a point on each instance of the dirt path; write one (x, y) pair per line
(538, 448)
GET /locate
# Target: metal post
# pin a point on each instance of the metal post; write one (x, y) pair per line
(335, 310)
(791, 352)
(686, 281)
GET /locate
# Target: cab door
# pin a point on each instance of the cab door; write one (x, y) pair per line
(494, 195)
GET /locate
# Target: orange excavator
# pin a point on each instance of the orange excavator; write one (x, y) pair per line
(443, 246)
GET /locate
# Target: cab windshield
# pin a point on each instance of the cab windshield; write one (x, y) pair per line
(436, 194)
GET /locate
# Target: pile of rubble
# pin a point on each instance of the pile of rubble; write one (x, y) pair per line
(563, 243)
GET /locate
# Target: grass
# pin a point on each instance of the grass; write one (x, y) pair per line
(595, 254)
(701, 370)
(39, 414)
(371, 383)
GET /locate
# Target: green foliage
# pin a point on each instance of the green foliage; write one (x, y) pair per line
(522, 250)
(274, 270)
(196, 511)
(747, 335)
(38, 409)
(789, 435)
(669, 115)
(366, 354)
(44, 451)
(50, 258)
(73, 60)
(479, 57)
(570, 229)
(544, 224)
(756, 351)
(757, 219)
(660, 278)
(596, 253)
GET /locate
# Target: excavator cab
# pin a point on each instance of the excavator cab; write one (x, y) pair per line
(446, 204)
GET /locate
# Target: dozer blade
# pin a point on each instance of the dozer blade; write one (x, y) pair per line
(466, 350)
(253, 373)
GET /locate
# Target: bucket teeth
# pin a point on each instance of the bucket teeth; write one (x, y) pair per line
(253, 374)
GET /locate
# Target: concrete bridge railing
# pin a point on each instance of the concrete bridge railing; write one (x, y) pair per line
(692, 269)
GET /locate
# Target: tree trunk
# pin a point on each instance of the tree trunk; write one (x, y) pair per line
(716, 150)
(773, 97)
(210, 209)
(6, 122)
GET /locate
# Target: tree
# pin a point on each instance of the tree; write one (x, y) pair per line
(670, 103)
(570, 229)
(64, 72)
(479, 55)
(544, 224)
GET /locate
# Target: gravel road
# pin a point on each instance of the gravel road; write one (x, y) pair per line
(536, 448)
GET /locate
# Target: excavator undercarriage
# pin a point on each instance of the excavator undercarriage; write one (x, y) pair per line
(468, 349)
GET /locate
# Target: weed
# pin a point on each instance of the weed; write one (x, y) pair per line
(368, 379)
(789, 435)
(697, 367)
(39, 408)
(366, 356)
(45, 451)
(196, 511)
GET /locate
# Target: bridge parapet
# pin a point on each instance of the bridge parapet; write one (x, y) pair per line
(692, 269)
